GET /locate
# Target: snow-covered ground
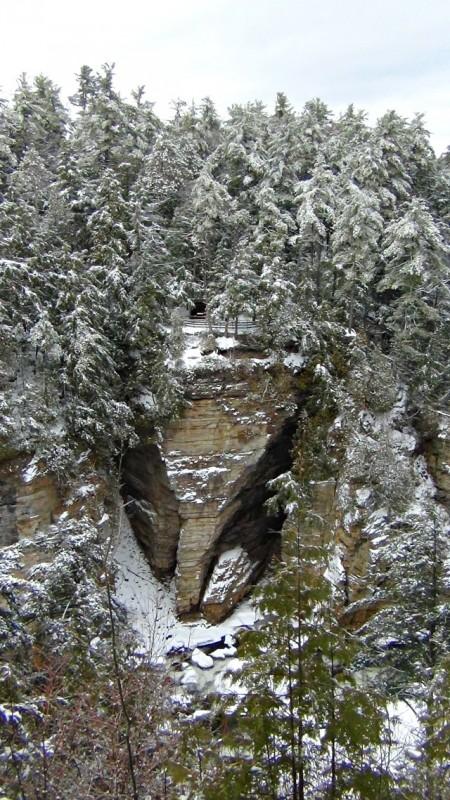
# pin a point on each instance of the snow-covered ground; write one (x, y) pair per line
(150, 606)
(405, 731)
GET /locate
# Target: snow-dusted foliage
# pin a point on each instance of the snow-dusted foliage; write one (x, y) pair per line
(324, 244)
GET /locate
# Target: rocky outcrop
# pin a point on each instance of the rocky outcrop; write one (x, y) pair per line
(228, 583)
(201, 491)
(437, 452)
(153, 507)
(28, 501)
(196, 498)
(31, 500)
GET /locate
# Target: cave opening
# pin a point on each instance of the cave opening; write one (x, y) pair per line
(198, 311)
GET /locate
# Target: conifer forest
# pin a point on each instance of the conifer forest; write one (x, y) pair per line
(224, 450)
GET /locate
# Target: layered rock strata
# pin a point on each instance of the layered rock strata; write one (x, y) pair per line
(31, 500)
(27, 501)
(200, 493)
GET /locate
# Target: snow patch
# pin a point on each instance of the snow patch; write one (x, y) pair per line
(406, 731)
(226, 342)
(31, 471)
(362, 497)
(146, 400)
(335, 572)
(200, 659)
(224, 652)
(294, 361)
(192, 356)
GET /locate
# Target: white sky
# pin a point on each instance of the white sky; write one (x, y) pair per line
(378, 54)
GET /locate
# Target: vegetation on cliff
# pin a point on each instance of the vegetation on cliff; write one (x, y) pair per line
(332, 237)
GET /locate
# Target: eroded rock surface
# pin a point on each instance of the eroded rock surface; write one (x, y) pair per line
(201, 492)
(27, 501)
(437, 452)
(152, 507)
(31, 501)
(228, 582)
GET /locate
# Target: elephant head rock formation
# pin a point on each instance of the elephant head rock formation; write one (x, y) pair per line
(196, 498)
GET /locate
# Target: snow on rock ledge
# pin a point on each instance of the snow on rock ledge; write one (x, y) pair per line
(201, 659)
(228, 583)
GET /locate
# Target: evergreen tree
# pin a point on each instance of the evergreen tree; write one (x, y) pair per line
(409, 636)
(440, 197)
(311, 730)
(355, 250)
(37, 120)
(416, 311)
(7, 157)
(284, 153)
(391, 137)
(94, 397)
(210, 207)
(421, 158)
(22, 212)
(87, 85)
(241, 159)
(351, 133)
(270, 248)
(238, 289)
(152, 291)
(315, 129)
(315, 218)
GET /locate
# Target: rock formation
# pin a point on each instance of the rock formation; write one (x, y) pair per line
(32, 500)
(199, 492)
(27, 501)
(196, 495)
(195, 492)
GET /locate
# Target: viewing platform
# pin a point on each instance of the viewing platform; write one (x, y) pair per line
(196, 321)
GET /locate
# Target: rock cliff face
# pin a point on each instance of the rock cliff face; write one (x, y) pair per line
(30, 502)
(436, 438)
(196, 500)
(27, 502)
(195, 495)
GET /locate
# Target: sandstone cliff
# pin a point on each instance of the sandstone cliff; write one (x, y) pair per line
(195, 492)
(196, 498)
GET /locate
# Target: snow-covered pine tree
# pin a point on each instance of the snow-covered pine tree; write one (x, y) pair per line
(391, 136)
(409, 636)
(315, 201)
(350, 133)
(153, 291)
(316, 126)
(237, 290)
(269, 243)
(284, 164)
(23, 208)
(37, 119)
(309, 728)
(417, 298)
(355, 250)
(7, 158)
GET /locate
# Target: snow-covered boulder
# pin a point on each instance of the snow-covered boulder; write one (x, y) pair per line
(228, 583)
(201, 659)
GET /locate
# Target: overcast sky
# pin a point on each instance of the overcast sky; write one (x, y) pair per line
(379, 54)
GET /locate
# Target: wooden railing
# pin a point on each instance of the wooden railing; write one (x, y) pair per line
(200, 324)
